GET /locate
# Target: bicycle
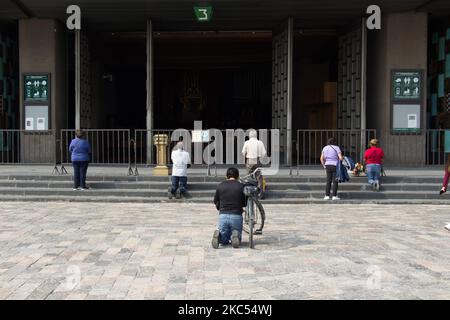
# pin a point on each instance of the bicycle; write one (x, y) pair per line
(254, 216)
(257, 172)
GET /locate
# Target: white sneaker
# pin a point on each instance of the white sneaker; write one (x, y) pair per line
(447, 226)
(326, 198)
(336, 198)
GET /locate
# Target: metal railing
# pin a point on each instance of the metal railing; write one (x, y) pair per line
(309, 144)
(144, 149)
(28, 147)
(414, 147)
(122, 147)
(110, 147)
(435, 146)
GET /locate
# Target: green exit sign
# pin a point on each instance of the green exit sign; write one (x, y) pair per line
(203, 14)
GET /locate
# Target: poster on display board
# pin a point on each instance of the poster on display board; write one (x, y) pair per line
(36, 117)
(29, 123)
(406, 117)
(200, 136)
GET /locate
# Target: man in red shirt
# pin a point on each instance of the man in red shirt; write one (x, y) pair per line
(373, 157)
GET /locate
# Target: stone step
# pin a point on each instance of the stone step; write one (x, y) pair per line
(270, 179)
(110, 199)
(272, 186)
(208, 194)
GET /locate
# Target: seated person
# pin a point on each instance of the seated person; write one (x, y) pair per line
(229, 200)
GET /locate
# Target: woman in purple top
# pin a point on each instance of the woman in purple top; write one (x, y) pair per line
(331, 154)
(80, 150)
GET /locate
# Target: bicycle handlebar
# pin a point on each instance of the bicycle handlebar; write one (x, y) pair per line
(257, 169)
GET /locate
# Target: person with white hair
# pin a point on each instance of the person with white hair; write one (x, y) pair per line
(181, 161)
(253, 151)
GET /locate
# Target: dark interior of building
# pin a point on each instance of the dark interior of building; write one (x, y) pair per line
(315, 79)
(222, 79)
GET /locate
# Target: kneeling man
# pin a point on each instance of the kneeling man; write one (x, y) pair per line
(229, 200)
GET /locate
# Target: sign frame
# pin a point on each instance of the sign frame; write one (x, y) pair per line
(39, 100)
(398, 101)
(418, 72)
(36, 102)
(205, 10)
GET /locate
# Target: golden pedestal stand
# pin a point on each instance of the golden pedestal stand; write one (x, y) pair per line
(161, 142)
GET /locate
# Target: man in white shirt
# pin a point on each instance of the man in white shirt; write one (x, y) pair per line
(181, 160)
(253, 151)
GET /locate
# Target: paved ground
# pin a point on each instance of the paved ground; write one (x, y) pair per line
(142, 251)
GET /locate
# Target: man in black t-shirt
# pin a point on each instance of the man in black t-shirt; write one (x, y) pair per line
(229, 200)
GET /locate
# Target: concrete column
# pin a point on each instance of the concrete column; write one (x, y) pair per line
(402, 43)
(43, 49)
(149, 85)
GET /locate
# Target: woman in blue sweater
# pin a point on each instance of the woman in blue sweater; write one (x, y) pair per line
(80, 150)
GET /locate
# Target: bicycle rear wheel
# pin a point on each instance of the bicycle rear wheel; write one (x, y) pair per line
(259, 217)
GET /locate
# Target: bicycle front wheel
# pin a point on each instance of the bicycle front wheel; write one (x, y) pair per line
(251, 222)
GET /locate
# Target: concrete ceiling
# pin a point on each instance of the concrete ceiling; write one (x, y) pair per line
(167, 15)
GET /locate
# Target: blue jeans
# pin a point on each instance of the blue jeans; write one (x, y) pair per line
(79, 173)
(373, 173)
(178, 182)
(228, 223)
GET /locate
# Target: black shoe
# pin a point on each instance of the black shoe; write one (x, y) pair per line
(178, 195)
(215, 239)
(443, 190)
(377, 186)
(235, 239)
(169, 193)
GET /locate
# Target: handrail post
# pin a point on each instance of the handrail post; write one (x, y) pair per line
(136, 173)
(55, 168)
(63, 169)
(129, 171)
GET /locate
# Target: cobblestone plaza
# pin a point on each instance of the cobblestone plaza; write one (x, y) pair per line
(59, 250)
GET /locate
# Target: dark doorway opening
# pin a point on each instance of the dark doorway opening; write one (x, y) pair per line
(315, 80)
(220, 78)
(118, 71)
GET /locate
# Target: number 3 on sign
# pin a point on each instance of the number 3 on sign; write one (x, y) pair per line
(205, 15)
